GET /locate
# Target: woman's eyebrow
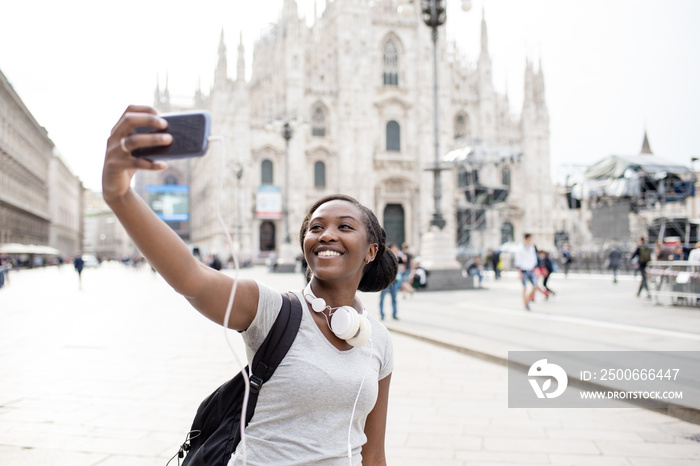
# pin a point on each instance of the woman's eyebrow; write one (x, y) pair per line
(341, 217)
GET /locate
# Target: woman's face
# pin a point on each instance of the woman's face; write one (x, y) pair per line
(335, 243)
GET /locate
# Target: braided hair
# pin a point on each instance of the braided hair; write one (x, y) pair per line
(381, 272)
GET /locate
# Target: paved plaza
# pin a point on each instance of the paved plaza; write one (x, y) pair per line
(111, 373)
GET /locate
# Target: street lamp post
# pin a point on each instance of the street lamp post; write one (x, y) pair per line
(434, 15)
(239, 210)
(438, 245)
(287, 134)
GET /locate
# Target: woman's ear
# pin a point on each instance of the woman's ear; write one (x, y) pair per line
(372, 253)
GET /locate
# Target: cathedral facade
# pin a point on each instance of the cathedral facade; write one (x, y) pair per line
(346, 105)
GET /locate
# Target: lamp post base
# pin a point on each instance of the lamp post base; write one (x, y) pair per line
(438, 257)
(287, 259)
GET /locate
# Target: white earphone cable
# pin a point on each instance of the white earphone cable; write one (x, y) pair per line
(357, 398)
(229, 305)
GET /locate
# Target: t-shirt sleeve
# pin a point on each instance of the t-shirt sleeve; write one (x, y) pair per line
(269, 304)
(387, 364)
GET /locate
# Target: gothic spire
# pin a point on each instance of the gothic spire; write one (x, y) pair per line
(539, 83)
(484, 34)
(646, 148)
(221, 73)
(240, 71)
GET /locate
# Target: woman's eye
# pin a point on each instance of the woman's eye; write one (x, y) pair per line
(314, 227)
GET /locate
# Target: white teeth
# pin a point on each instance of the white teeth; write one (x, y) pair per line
(328, 253)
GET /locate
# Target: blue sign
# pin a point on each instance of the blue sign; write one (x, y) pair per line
(170, 202)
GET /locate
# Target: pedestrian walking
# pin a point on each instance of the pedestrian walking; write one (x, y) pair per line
(546, 268)
(327, 402)
(393, 289)
(615, 259)
(643, 256)
(215, 262)
(567, 259)
(495, 259)
(526, 262)
(406, 257)
(78, 264)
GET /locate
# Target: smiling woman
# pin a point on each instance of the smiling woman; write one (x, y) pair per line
(351, 217)
(327, 401)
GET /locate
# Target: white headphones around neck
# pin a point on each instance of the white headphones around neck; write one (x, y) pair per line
(345, 322)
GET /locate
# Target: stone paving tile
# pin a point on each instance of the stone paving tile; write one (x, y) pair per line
(580, 460)
(666, 462)
(46, 457)
(492, 458)
(685, 450)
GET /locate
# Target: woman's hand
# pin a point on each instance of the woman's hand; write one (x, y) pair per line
(119, 165)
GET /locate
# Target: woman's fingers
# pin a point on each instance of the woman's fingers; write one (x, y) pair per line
(135, 141)
(124, 160)
(136, 110)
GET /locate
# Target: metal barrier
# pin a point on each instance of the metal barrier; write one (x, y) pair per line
(677, 282)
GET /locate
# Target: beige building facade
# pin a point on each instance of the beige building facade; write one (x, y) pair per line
(40, 199)
(25, 156)
(66, 206)
(104, 236)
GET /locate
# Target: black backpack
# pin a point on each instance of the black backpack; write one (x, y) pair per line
(215, 431)
(644, 255)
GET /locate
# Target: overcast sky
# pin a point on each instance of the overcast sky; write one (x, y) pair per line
(612, 67)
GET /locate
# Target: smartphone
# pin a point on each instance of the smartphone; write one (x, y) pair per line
(190, 131)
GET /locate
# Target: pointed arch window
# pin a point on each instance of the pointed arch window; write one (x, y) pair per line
(170, 179)
(391, 64)
(461, 128)
(393, 136)
(507, 233)
(319, 175)
(318, 122)
(505, 176)
(266, 172)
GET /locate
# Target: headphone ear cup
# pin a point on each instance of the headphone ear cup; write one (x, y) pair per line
(318, 304)
(363, 334)
(345, 322)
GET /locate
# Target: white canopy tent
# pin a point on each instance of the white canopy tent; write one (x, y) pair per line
(17, 248)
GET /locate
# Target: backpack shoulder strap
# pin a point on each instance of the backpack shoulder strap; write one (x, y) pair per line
(273, 350)
(277, 342)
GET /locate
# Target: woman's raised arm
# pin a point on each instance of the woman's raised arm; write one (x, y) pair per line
(207, 289)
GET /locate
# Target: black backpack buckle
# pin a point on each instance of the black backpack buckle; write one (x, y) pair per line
(255, 383)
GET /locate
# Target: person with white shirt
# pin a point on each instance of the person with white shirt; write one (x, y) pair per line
(526, 261)
(694, 255)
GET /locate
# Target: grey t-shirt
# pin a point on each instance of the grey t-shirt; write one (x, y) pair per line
(303, 412)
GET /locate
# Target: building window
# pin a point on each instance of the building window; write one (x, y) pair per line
(391, 64)
(393, 136)
(170, 179)
(507, 233)
(461, 126)
(505, 176)
(319, 175)
(267, 236)
(266, 172)
(318, 122)
(395, 223)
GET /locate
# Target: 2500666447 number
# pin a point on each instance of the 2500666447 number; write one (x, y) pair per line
(639, 374)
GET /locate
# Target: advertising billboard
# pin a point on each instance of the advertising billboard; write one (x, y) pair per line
(170, 202)
(268, 202)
